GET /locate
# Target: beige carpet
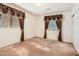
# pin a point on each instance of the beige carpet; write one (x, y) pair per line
(39, 47)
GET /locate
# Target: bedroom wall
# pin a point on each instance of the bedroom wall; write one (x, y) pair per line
(40, 27)
(75, 24)
(66, 26)
(9, 36)
(30, 26)
(12, 35)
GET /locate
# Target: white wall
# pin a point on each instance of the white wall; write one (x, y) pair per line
(75, 31)
(30, 26)
(66, 26)
(40, 27)
(9, 36)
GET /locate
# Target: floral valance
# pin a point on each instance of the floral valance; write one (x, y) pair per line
(58, 16)
(6, 9)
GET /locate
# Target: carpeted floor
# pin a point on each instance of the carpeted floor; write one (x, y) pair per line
(39, 47)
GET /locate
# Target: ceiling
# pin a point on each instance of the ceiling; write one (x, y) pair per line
(45, 8)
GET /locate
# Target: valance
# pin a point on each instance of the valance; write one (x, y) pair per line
(59, 17)
(6, 9)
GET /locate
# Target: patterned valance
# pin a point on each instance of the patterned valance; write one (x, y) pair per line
(6, 9)
(59, 17)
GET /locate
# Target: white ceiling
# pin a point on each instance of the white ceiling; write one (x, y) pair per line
(47, 7)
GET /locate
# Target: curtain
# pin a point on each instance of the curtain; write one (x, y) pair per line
(5, 18)
(59, 25)
(14, 22)
(10, 17)
(21, 21)
(5, 21)
(53, 25)
(46, 26)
